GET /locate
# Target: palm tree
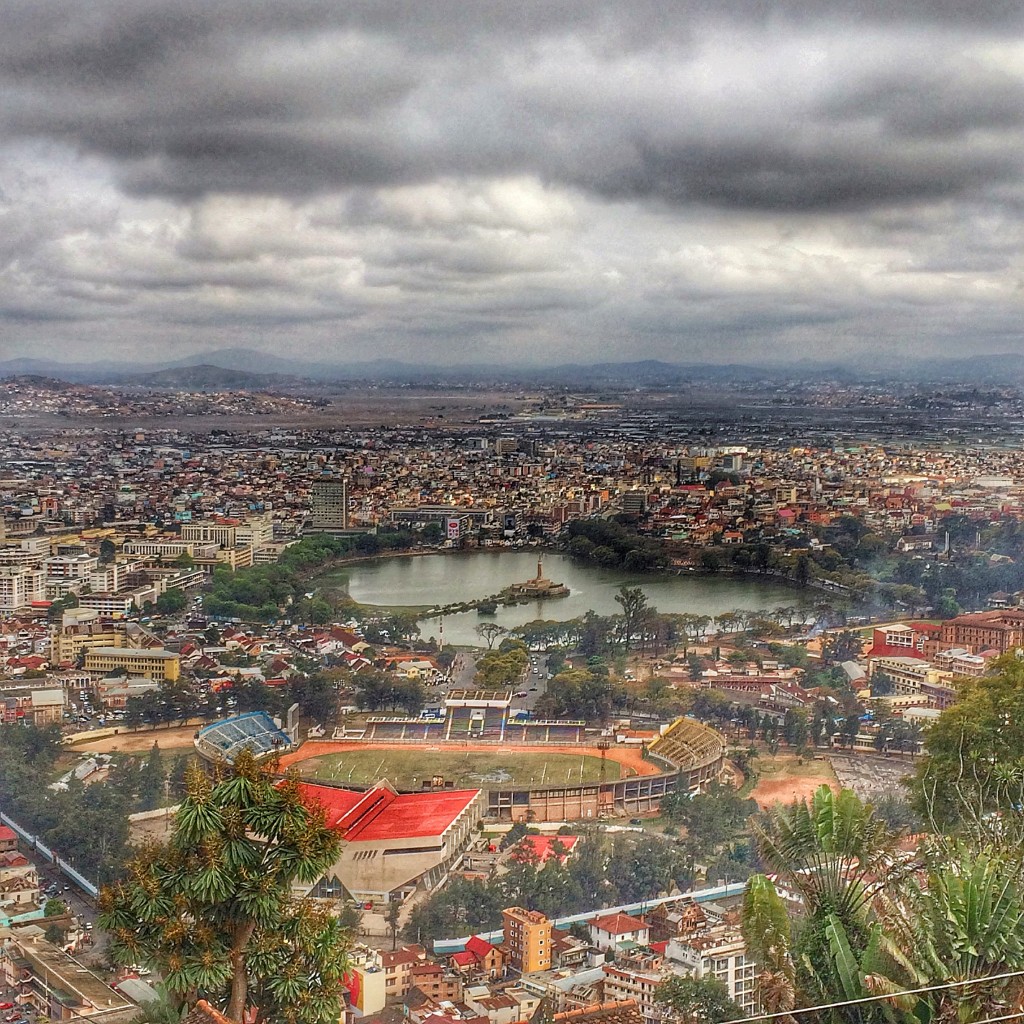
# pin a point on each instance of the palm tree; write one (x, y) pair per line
(836, 855)
(962, 917)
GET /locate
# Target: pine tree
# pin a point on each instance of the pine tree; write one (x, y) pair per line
(152, 780)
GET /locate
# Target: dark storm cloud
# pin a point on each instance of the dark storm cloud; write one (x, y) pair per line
(187, 99)
(549, 176)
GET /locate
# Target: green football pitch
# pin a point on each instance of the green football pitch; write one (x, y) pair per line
(409, 768)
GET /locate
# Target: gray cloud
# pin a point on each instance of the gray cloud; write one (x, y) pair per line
(554, 174)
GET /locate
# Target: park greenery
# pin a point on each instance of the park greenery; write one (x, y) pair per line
(85, 825)
(212, 909)
(185, 699)
(264, 593)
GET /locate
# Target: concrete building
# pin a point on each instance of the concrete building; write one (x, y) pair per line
(1001, 630)
(721, 954)
(394, 844)
(329, 506)
(365, 981)
(636, 976)
(609, 932)
(53, 983)
(20, 587)
(527, 942)
(152, 663)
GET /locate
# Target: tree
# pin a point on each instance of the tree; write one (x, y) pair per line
(881, 684)
(212, 909)
(350, 918)
(152, 780)
(835, 853)
(693, 1000)
(55, 908)
(107, 550)
(170, 602)
(489, 632)
(974, 753)
(633, 602)
(392, 916)
(316, 696)
(961, 918)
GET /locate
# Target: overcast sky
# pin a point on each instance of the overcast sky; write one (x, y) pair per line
(516, 181)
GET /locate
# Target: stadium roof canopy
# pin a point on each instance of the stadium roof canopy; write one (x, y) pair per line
(381, 813)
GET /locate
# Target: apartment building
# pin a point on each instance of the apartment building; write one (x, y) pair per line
(636, 976)
(1001, 630)
(527, 941)
(20, 587)
(329, 506)
(721, 954)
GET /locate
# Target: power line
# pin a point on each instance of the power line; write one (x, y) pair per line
(886, 995)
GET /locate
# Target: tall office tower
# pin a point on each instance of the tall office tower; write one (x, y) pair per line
(330, 506)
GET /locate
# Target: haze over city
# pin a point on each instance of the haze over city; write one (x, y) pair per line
(526, 183)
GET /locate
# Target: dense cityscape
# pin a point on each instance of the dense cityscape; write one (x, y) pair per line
(511, 513)
(521, 809)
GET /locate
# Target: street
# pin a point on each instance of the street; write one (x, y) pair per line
(534, 685)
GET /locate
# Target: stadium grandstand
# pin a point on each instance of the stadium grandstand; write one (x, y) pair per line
(695, 749)
(478, 716)
(254, 730)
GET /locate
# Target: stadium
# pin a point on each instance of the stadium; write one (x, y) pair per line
(530, 770)
(254, 730)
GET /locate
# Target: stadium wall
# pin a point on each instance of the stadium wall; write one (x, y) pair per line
(693, 755)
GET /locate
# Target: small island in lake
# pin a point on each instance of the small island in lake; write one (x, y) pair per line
(538, 587)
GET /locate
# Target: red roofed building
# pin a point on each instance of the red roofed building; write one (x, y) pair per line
(540, 849)
(607, 932)
(479, 959)
(394, 843)
(8, 840)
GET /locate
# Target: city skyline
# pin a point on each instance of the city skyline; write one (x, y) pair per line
(544, 183)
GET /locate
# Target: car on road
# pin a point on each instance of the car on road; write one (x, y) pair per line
(6, 1006)
(533, 689)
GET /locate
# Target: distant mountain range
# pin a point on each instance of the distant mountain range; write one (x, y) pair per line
(247, 368)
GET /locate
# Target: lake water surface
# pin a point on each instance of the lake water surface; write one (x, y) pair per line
(448, 579)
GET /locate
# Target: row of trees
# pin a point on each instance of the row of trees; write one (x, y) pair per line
(185, 699)
(627, 869)
(86, 825)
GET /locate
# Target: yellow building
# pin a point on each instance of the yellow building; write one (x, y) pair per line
(527, 941)
(152, 663)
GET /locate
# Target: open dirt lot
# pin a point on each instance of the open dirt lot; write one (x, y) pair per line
(139, 742)
(784, 780)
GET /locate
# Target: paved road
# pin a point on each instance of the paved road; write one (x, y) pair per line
(535, 684)
(80, 904)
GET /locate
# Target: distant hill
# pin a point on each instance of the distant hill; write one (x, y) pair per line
(205, 377)
(247, 368)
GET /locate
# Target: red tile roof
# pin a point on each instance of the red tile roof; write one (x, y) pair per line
(540, 849)
(618, 924)
(380, 813)
(479, 947)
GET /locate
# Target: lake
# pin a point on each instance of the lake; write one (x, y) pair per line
(429, 580)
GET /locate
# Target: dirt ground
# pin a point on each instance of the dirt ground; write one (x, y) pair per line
(629, 757)
(784, 780)
(140, 742)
